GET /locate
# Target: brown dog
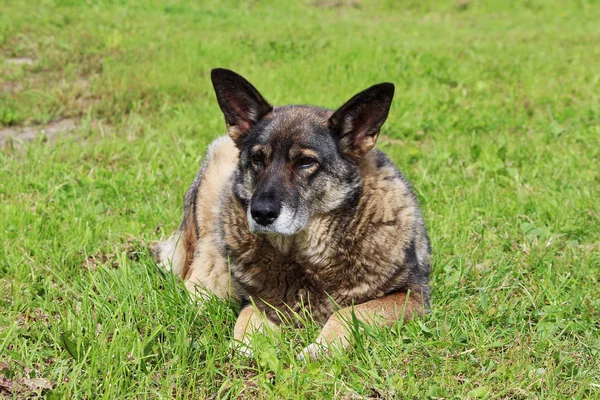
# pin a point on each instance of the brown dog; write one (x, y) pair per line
(296, 212)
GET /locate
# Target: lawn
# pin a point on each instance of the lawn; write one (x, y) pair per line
(106, 109)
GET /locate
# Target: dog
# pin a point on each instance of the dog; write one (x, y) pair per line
(296, 213)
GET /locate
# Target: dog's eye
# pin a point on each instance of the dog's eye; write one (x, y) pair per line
(306, 162)
(257, 159)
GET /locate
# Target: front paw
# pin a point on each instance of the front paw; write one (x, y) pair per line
(241, 348)
(312, 352)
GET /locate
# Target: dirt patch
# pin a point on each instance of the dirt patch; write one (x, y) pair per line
(20, 61)
(24, 388)
(131, 245)
(27, 133)
(11, 87)
(336, 4)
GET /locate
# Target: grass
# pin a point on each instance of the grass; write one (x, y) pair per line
(496, 121)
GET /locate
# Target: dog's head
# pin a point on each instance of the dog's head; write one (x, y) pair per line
(297, 161)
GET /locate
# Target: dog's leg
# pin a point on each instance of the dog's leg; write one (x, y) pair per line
(249, 322)
(197, 226)
(382, 311)
(209, 273)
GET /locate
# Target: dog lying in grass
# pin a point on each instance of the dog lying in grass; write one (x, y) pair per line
(295, 211)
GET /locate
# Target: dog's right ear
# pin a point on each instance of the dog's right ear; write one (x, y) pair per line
(242, 105)
(356, 124)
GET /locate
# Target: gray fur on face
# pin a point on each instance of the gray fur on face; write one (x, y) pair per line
(289, 222)
(287, 130)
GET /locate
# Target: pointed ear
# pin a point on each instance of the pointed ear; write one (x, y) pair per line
(240, 102)
(356, 124)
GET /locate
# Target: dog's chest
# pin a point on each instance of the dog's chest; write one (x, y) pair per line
(336, 259)
(314, 268)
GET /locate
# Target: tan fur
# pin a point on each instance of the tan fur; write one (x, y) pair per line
(206, 269)
(382, 311)
(249, 322)
(209, 268)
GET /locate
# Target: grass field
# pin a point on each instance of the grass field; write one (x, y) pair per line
(496, 121)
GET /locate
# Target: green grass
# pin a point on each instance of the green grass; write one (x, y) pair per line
(496, 122)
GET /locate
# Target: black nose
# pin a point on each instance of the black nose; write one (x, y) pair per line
(265, 210)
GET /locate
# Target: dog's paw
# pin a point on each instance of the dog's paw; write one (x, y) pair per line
(312, 352)
(243, 349)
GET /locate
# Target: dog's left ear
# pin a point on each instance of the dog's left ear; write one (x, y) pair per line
(356, 124)
(242, 105)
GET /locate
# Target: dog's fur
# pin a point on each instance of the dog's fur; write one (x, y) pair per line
(296, 212)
